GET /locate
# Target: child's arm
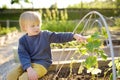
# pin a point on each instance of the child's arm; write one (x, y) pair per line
(79, 38)
(32, 75)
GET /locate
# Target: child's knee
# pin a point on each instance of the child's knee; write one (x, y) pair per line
(14, 74)
(41, 70)
(24, 76)
(11, 76)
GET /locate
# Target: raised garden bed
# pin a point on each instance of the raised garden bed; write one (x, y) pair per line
(60, 69)
(64, 73)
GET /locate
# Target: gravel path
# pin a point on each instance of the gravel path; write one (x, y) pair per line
(7, 57)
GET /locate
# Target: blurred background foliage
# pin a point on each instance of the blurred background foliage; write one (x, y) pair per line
(101, 4)
(64, 19)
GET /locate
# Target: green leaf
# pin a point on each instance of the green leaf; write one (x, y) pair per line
(89, 39)
(90, 61)
(90, 46)
(118, 73)
(110, 64)
(83, 51)
(80, 70)
(102, 54)
(93, 44)
(97, 43)
(104, 33)
(111, 76)
(117, 62)
(14, 1)
(95, 35)
(27, 1)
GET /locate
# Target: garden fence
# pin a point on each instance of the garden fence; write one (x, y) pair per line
(9, 23)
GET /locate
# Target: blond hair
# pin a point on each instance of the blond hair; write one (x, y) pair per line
(29, 17)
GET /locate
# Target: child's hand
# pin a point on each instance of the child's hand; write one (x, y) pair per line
(32, 75)
(80, 38)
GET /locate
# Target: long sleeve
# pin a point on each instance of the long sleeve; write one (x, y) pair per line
(23, 55)
(60, 37)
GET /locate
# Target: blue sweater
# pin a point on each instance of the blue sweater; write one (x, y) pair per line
(36, 49)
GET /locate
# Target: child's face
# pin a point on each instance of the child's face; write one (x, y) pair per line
(32, 29)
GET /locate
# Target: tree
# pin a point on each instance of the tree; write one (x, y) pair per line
(117, 2)
(14, 1)
(53, 5)
(18, 1)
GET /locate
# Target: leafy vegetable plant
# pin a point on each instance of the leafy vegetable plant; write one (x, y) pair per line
(92, 49)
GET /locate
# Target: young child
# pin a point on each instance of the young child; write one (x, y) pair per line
(34, 47)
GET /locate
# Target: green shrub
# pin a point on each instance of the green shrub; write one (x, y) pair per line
(58, 26)
(4, 31)
(117, 22)
(61, 26)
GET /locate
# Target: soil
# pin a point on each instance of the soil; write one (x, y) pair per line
(64, 74)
